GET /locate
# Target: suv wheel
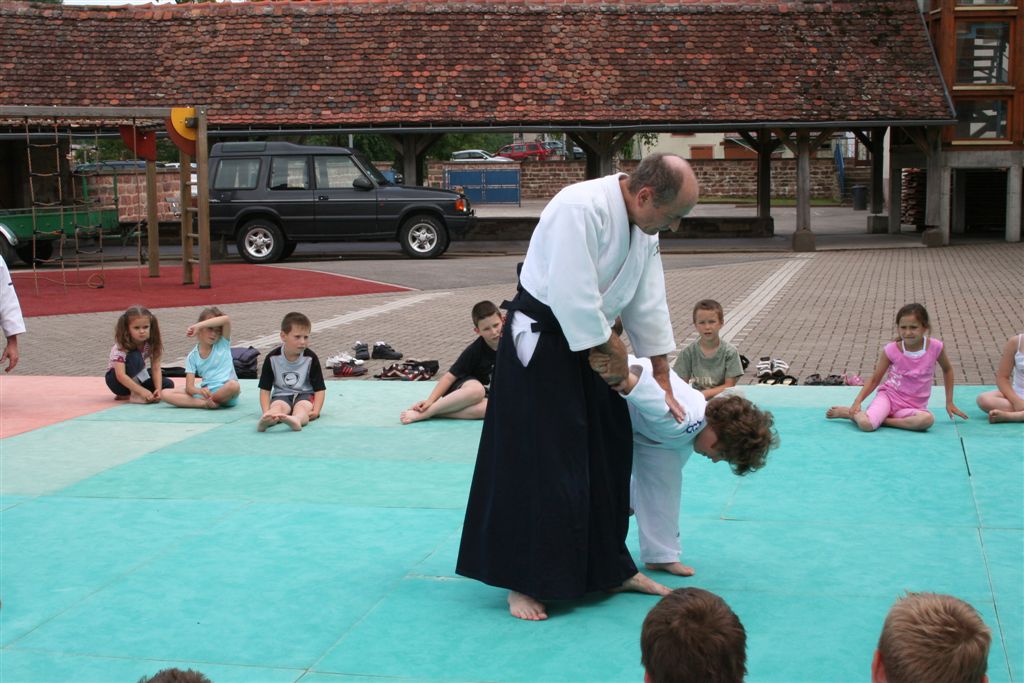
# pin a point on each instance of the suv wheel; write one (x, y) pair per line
(260, 241)
(423, 236)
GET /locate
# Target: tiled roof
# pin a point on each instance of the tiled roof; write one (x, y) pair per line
(390, 62)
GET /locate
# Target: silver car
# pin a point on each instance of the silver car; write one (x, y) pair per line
(477, 155)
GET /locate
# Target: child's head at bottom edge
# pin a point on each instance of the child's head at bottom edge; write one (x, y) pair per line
(693, 635)
(738, 432)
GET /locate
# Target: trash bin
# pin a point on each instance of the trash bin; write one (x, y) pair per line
(859, 193)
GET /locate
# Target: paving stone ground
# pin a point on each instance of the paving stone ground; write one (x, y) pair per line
(832, 315)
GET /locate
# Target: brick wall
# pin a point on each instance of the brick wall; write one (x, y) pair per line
(131, 192)
(718, 177)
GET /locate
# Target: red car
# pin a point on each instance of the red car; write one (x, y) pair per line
(521, 151)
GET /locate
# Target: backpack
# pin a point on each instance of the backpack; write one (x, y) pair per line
(246, 361)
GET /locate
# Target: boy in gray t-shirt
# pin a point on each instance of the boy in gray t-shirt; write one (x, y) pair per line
(709, 364)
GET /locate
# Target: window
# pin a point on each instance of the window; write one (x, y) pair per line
(336, 173)
(237, 174)
(983, 2)
(983, 52)
(981, 119)
(289, 173)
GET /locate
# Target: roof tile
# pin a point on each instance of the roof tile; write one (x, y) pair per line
(389, 62)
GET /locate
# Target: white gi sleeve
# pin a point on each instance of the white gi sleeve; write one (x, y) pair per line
(646, 316)
(10, 310)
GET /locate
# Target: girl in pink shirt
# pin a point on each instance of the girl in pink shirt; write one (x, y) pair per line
(902, 400)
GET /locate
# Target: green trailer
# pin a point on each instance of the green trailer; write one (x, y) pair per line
(47, 223)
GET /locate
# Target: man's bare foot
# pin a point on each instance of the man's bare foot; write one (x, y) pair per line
(524, 607)
(836, 412)
(292, 422)
(677, 568)
(997, 415)
(266, 421)
(410, 416)
(638, 583)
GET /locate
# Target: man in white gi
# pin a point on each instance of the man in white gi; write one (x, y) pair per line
(10, 317)
(548, 510)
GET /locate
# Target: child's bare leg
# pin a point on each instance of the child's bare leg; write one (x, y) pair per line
(274, 415)
(300, 415)
(918, 422)
(677, 568)
(463, 403)
(638, 583)
(995, 415)
(993, 400)
(524, 607)
(836, 412)
(226, 393)
(180, 399)
(861, 419)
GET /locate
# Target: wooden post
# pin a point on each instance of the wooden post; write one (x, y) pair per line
(803, 238)
(1013, 203)
(895, 195)
(202, 172)
(152, 221)
(185, 204)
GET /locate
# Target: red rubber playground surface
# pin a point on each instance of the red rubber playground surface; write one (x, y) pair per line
(46, 294)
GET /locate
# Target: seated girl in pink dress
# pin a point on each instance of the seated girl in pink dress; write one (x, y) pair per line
(902, 400)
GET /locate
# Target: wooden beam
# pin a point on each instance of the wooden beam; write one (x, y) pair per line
(152, 221)
(86, 112)
(919, 139)
(784, 138)
(185, 203)
(863, 137)
(202, 180)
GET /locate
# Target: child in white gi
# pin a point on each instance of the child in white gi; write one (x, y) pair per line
(729, 428)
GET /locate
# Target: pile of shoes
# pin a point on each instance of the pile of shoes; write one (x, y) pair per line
(834, 380)
(345, 365)
(410, 370)
(381, 351)
(773, 371)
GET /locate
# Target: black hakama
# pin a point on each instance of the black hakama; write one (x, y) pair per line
(548, 509)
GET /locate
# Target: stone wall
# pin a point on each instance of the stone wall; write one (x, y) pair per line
(131, 193)
(718, 177)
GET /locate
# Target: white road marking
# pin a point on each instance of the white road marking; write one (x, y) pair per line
(740, 314)
(274, 338)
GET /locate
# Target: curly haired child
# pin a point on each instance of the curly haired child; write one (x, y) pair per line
(728, 428)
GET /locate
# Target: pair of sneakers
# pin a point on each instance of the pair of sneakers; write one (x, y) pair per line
(380, 351)
(342, 359)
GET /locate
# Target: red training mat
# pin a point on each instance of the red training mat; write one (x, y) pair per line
(231, 283)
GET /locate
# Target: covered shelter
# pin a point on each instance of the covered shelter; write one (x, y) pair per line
(787, 73)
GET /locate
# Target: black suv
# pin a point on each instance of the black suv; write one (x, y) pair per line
(269, 196)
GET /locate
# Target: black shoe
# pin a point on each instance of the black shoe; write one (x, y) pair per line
(362, 352)
(385, 352)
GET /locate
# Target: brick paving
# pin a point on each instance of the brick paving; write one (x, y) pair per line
(833, 316)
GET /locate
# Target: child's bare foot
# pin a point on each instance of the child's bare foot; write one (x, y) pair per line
(997, 415)
(410, 416)
(677, 568)
(292, 422)
(524, 607)
(266, 421)
(836, 412)
(638, 583)
(211, 404)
